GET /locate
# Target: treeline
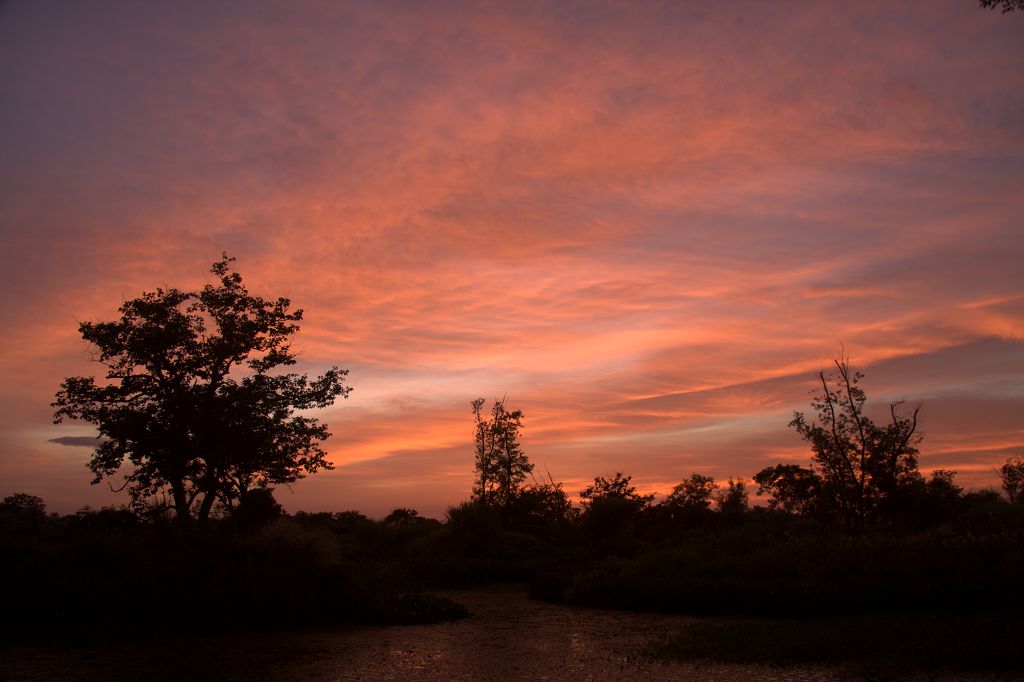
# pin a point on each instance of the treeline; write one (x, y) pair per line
(856, 528)
(703, 549)
(198, 423)
(863, 476)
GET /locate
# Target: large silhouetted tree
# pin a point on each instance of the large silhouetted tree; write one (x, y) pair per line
(864, 467)
(189, 398)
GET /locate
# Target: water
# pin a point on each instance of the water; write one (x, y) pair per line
(509, 637)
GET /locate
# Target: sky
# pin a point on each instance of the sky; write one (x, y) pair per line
(649, 225)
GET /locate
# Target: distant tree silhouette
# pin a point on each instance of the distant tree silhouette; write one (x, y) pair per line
(611, 507)
(501, 465)
(257, 507)
(472, 520)
(689, 503)
(23, 504)
(938, 500)
(189, 399)
(617, 488)
(542, 508)
(105, 519)
(733, 500)
(942, 483)
(1005, 5)
(696, 493)
(791, 488)
(1012, 476)
(402, 517)
(864, 467)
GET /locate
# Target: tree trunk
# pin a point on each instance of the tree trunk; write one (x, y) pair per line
(181, 502)
(206, 506)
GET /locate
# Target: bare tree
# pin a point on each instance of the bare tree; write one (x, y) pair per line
(863, 466)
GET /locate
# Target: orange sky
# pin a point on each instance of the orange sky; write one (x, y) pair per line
(648, 224)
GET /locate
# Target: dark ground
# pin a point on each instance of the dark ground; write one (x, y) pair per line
(510, 637)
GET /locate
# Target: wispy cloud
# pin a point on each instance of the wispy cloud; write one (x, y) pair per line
(648, 225)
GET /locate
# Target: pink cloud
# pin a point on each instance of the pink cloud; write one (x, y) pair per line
(649, 225)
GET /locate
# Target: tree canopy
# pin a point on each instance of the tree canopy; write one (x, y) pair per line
(189, 399)
(618, 489)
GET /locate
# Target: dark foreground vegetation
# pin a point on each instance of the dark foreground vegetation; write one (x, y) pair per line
(259, 568)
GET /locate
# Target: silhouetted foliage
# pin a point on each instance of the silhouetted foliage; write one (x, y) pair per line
(542, 508)
(501, 465)
(611, 511)
(257, 507)
(1004, 5)
(349, 518)
(733, 501)
(791, 488)
(23, 504)
(402, 517)
(1012, 476)
(619, 488)
(865, 468)
(690, 501)
(942, 485)
(189, 400)
(472, 520)
(105, 519)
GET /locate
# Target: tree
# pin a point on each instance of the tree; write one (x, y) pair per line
(501, 465)
(402, 517)
(257, 508)
(617, 490)
(541, 508)
(939, 499)
(689, 503)
(942, 485)
(1012, 476)
(733, 500)
(23, 504)
(791, 488)
(692, 496)
(190, 400)
(612, 506)
(864, 467)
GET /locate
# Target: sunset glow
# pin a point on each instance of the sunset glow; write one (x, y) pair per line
(649, 225)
